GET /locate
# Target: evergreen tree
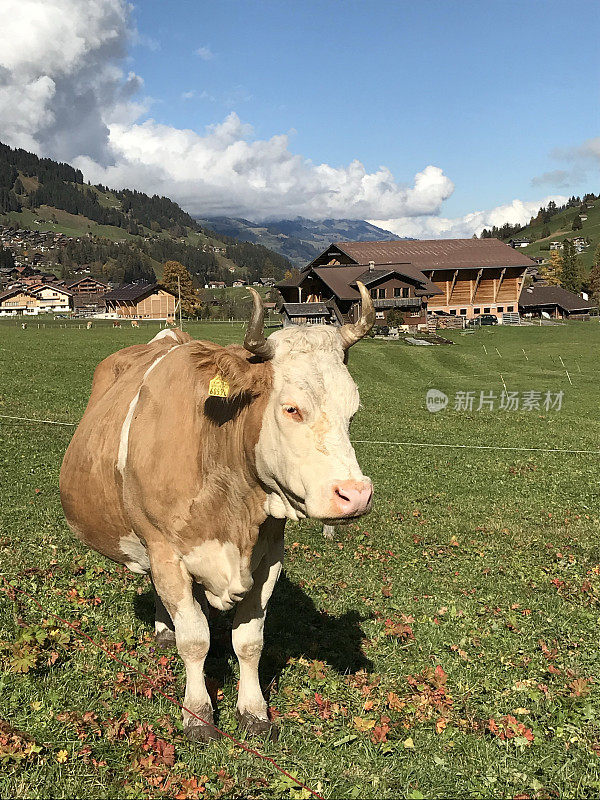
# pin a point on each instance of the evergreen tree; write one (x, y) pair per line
(594, 281)
(571, 277)
(190, 300)
(6, 257)
(577, 223)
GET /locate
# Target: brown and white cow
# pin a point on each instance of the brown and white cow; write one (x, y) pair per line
(195, 489)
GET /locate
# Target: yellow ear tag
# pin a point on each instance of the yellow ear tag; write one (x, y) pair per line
(218, 387)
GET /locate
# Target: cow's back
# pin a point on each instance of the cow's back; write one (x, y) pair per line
(90, 481)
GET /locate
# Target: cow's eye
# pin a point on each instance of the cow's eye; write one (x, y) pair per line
(293, 412)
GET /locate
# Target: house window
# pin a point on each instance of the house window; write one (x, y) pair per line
(453, 312)
(401, 291)
(463, 312)
(477, 311)
(500, 309)
(510, 308)
(381, 293)
(486, 310)
(373, 293)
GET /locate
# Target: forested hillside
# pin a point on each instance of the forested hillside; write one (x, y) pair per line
(121, 234)
(579, 217)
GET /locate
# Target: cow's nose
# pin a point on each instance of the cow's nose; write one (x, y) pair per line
(352, 498)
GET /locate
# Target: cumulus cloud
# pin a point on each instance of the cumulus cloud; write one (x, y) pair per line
(60, 74)
(423, 227)
(64, 93)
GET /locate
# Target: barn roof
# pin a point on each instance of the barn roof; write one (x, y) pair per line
(133, 292)
(537, 296)
(433, 253)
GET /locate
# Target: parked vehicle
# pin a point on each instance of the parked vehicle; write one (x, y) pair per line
(484, 319)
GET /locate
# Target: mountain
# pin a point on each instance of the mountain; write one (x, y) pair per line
(300, 239)
(123, 235)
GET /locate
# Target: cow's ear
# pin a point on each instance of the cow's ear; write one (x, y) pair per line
(242, 376)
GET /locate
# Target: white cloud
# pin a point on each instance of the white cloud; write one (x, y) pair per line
(435, 227)
(64, 93)
(205, 53)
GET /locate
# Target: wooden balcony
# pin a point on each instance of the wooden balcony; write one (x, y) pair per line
(398, 302)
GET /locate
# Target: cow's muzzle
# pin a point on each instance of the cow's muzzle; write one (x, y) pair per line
(351, 498)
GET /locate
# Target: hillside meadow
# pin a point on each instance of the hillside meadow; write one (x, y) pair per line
(445, 646)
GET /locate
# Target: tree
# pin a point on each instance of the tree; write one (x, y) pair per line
(395, 318)
(571, 277)
(551, 272)
(6, 257)
(594, 281)
(577, 223)
(190, 300)
(545, 231)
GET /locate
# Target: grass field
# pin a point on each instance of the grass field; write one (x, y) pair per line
(446, 646)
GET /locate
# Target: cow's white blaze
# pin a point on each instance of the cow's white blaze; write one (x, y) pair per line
(304, 447)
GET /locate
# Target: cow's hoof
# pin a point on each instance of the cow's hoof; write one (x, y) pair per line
(254, 726)
(165, 639)
(196, 731)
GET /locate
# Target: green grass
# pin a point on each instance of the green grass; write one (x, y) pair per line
(483, 563)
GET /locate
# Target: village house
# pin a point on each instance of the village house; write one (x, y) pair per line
(88, 294)
(453, 277)
(520, 242)
(554, 301)
(141, 301)
(53, 299)
(556, 245)
(18, 301)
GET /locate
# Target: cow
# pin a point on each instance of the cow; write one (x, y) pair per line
(116, 323)
(88, 326)
(188, 461)
(135, 323)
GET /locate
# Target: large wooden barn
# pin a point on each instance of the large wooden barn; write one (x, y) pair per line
(141, 301)
(460, 277)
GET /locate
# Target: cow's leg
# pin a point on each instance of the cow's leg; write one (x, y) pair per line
(174, 585)
(247, 636)
(164, 630)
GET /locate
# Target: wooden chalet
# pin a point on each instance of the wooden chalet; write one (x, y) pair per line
(53, 298)
(141, 301)
(18, 301)
(456, 277)
(554, 301)
(88, 294)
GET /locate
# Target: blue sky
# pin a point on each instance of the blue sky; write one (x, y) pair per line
(429, 118)
(485, 90)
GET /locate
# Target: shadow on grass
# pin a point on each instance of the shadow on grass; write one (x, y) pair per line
(294, 627)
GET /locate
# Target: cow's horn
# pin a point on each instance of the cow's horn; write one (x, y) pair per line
(254, 340)
(351, 333)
